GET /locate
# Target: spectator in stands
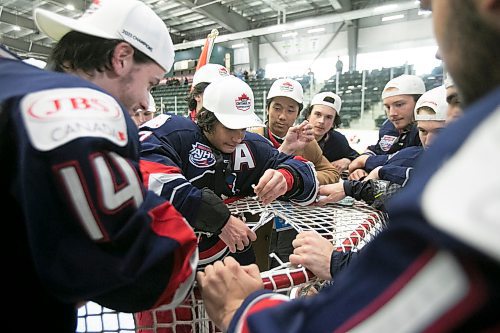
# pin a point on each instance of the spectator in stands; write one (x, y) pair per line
(339, 65)
(186, 81)
(324, 116)
(205, 75)
(260, 74)
(284, 103)
(440, 255)
(85, 227)
(195, 165)
(399, 130)
(141, 116)
(454, 105)
(245, 75)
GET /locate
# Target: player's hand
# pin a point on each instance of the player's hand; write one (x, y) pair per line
(342, 164)
(271, 185)
(373, 174)
(358, 163)
(358, 174)
(224, 286)
(236, 234)
(330, 193)
(297, 137)
(314, 252)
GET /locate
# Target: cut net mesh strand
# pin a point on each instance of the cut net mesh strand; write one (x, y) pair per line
(349, 227)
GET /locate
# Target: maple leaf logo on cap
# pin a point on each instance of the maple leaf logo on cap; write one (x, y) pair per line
(243, 103)
(286, 86)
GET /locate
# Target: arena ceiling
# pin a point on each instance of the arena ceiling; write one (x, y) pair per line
(192, 20)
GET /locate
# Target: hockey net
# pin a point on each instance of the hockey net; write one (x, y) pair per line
(349, 225)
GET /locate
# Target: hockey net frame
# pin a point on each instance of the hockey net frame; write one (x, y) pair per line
(348, 226)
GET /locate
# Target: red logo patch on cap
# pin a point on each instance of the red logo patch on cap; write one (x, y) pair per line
(286, 86)
(243, 103)
(223, 71)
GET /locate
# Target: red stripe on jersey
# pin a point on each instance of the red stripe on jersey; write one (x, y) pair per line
(168, 222)
(148, 167)
(265, 303)
(208, 253)
(288, 178)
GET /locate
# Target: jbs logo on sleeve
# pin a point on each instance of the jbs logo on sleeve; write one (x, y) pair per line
(57, 116)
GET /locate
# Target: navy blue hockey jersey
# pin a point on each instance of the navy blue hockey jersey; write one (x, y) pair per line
(435, 269)
(178, 161)
(335, 146)
(396, 167)
(390, 140)
(82, 226)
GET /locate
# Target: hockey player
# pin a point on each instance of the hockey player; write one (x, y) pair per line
(284, 102)
(398, 131)
(83, 227)
(197, 165)
(207, 74)
(437, 266)
(391, 172)
(324, 116)
(141, 116)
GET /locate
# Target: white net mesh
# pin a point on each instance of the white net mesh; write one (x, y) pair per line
(348, 226)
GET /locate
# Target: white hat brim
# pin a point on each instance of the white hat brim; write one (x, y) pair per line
(240, 121)
(56, 26)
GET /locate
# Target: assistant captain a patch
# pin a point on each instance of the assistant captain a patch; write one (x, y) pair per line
(201, 156)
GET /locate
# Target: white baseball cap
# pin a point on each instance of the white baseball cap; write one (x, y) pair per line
(209, 73)
(152, 104)
(232, 102)
(287, 88)
(324, 98)
(436, 100)
(404, 85)
(128, 20)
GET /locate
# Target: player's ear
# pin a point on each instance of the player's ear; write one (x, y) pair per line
(123, 58)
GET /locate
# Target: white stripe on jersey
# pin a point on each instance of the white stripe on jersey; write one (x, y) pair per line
(463, 205)
(436, 288)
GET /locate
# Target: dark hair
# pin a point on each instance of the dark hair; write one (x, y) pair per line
(415, 97)
(79, 51)
(206, 120)
(197, 90)
(336, 122)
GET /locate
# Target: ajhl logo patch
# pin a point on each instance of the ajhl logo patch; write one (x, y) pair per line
(201, 156)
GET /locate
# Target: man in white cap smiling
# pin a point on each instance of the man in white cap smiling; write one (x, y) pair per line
(398, 131)
(216, 158)
(85, 227)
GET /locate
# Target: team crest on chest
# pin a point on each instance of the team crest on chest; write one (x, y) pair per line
(201, 156)
(386, 142)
